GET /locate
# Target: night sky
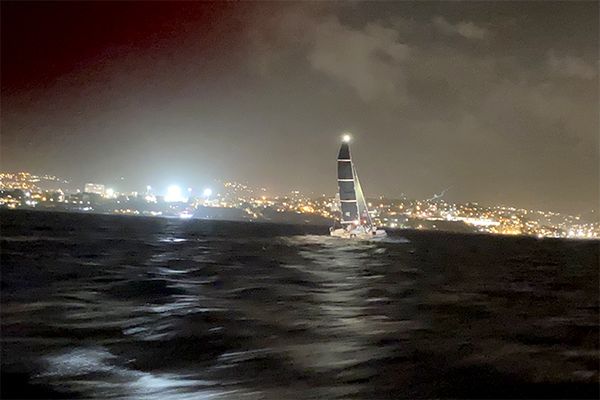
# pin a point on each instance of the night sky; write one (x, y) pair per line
(496, 100)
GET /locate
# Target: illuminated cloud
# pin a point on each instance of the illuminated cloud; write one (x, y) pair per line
(571, 67)
(465, 29)
(369, 60)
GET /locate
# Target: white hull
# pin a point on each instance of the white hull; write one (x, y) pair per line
(360, 234)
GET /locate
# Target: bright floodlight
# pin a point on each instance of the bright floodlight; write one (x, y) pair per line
(346, 138)
(174, 194)
(207, 192)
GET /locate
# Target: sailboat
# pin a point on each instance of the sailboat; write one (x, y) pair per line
(355, 219)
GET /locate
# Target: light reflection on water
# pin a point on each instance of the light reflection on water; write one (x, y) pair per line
(185, 309)
(77, 369)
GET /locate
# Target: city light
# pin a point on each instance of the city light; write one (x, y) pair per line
(22, 190)
(174, 194)
(185, 215)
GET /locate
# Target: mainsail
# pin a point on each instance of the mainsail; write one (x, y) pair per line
(353, 205)
(348, 203)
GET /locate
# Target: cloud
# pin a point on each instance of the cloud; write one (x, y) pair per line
(369, 60)
(569, 66)
(467, 30)
(481, 115)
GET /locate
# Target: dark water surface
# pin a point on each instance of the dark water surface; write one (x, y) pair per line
(121, 307)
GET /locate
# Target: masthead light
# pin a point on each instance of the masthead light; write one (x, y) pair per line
(346, 138)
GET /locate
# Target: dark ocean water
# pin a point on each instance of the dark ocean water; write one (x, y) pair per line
(124, 307)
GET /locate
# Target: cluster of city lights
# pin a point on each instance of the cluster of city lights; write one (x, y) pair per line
(23, 190)
(176, 194)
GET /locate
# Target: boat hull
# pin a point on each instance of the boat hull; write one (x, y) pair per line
(359, 234)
